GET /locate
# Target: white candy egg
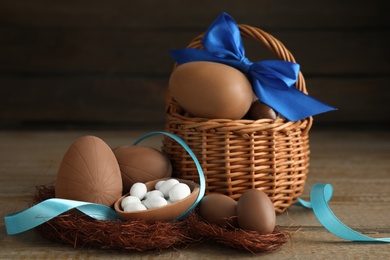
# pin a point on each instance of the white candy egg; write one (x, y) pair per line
(153, 193)
(158, 184)
(146, 203)
(179, 191)
(166, 192)
(166, 186)
(132, 207)
(138, 190)
(129, 199)
(155, 202)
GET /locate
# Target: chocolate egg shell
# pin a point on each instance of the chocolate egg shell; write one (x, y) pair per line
(89, 172)
(218, 209)
(211, 90)
(259, 110)
(141, 164)
(255, 211)
(165, 213)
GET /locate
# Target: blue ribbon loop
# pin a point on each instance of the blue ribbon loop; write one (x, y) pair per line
(320, 196)
(51, 208)
(272, 81)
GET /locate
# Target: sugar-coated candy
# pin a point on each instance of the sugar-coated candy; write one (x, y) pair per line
(158, 184)
(167, 185)
(138, 190)
(179, 191)
(153, 193)
(155, 202)
(129, 199)
(132, 207)
(166, 192)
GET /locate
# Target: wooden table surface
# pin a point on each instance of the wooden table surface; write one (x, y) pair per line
(355, 162)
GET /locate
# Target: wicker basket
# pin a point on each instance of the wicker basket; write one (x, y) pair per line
(236, 155)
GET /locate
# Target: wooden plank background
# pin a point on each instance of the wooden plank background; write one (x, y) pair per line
(107, 62)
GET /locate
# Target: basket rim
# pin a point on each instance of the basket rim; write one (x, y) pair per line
(242, 126)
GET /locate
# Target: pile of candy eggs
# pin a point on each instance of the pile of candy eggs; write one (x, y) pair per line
(165, 192)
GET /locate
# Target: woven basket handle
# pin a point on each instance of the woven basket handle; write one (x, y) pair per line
(273, 44)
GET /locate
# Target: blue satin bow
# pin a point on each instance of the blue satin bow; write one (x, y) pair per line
(272, 80)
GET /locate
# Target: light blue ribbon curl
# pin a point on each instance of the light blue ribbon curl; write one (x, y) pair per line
(202, 180)
(51, 208)
(320, 196)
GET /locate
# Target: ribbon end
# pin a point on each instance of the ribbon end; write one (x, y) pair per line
(292, 104)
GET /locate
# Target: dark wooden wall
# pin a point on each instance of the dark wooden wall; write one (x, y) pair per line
(107, 62)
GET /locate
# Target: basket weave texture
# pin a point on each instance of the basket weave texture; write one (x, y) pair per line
(237, 155)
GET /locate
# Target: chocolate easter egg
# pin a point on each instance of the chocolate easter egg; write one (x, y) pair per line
(211, 90)
(255, 211)
(141, 164)
(259, 110)
(218, 209)
(89, 172)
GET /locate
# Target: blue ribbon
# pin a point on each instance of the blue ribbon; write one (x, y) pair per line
(320, 195)
(272, 80)
(51, 208)
(202, 180)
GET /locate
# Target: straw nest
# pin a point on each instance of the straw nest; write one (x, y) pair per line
(76, 229)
